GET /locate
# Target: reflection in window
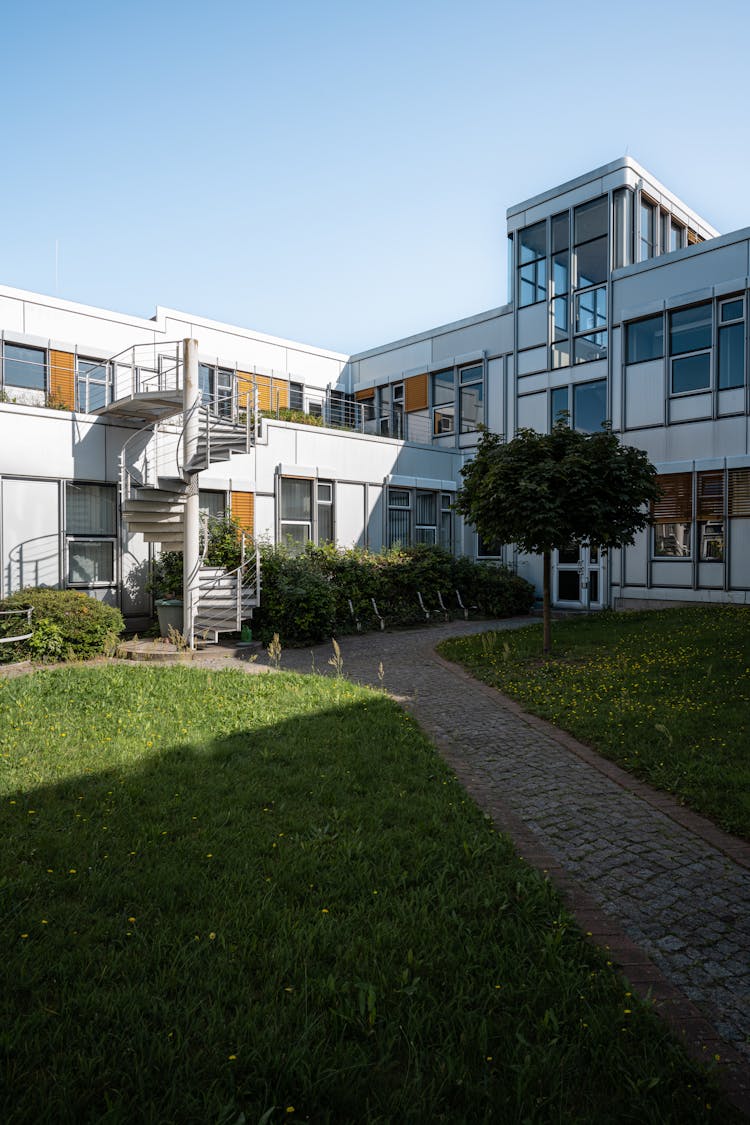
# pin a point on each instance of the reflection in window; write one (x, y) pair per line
(590, 406)
(532, 263)
(24, 367)
(591, 310)
(591, 347)
(443, 402)
(731, 344)
(690, 332)
(645, 340)
(676, 236)
(592, 263)
(93, 384)
(299, 521)
(471, 394)
(590, 228)
(672, 540)
(647, 238)
(559, 405)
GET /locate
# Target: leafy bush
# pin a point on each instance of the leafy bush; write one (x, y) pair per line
(67, 625)
(223, 549)
(309, 596)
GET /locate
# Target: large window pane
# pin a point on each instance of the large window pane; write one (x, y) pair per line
(442, 388)
(533, 282)
(560, 354)
(591, 220)
(561, 273)
(532, 243)
(690, 329)
(24, 367)
(672, 540)
(645, 339)
(592, 263)
(648, 230)
(90, 509)
(398, 526)
(559, 407)
(472, 407)
(90, 562)
(560, 232)
(732, 356)
(426, 508)
(296, 499)
(591, 347)
(591, 310)
(590, 406)
(692, 373)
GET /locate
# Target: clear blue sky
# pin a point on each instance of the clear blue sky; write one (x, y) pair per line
(338, 172)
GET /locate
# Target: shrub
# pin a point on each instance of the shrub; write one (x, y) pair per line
(67, 625)
(306, 597)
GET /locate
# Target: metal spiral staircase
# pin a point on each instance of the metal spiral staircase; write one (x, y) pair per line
(159, 465)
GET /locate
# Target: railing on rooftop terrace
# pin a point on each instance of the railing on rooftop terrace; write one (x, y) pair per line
(242, 396)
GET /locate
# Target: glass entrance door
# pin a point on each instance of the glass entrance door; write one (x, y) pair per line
(577, 578)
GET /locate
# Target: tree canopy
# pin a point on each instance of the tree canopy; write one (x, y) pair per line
(545, 491)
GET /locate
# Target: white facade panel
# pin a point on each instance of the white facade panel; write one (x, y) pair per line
(533, 360)
(532, 412)
(678, 574)
(375, 495)
(495, 407)
(644, 394)
(690, 408)
(30, 534)
(739, 554)
(485, 337)
(532, 326)
(350, 516)
(389, 365)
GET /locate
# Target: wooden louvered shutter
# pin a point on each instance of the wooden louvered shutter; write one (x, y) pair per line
(739, 493)
(62, 378)
(676, 503)
(243, 510)
(362, 396)
(415, 393)
(711, 495)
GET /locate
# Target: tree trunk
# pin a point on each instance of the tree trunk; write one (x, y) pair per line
(546, 606)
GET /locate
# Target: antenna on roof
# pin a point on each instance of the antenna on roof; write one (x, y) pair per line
(57, 287)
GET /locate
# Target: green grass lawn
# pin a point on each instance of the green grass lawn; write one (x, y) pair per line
(231, 898)
(665, 694)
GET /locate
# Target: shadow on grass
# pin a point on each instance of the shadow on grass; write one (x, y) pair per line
(303, 912)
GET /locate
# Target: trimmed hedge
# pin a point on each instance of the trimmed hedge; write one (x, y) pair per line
(305, 597)
(67, 625)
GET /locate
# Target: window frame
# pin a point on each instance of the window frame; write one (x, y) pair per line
(535, 267)
(469, 385)
(107, 538)
(84, 379)
(43, 364)
(688, 354)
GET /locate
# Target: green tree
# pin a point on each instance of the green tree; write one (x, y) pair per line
(545, 491)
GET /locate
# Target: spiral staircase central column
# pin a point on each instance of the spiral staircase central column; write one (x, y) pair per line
(191, 546)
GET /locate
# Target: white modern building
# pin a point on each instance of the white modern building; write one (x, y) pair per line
(623, 305)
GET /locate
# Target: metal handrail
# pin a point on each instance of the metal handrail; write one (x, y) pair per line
(28, 610)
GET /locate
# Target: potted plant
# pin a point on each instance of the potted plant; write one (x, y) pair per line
(165, 584)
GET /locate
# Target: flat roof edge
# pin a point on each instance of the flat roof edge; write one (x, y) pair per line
(439, 330)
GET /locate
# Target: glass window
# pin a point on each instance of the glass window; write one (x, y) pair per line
(224, 392)
(446, 521)
(690, 329)
(732, 310)
(561, 273)
(592, 263)
(206, 377)
(623, 236)
(532, 274)
(296, 502)
(590, 220)
(90, 563)
(471, 398)
(296, 396)
(489, 548)
(559, 408)
(588, 348)
(443, 400)
(672, 540)
(560, 231)
(560, 355)
(645, 339)
(94, 384)
(731, 355)
(591, 310)
(590, 406)
(214, 504)
(399, 517)
(425, 517)
(532, 243)
(90, 509)
(647, 242)
(560, 317)
(25, 367)
(325, 512)
(676, 236)
(691, 373)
